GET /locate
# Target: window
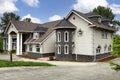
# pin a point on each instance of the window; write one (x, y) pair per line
(111, 35)
(73, 18)
(36, 35)
(105, 47)
(66, 49)
(109, 48)
(99, 20)
(59, 49)
(59, 36)
(66, 36)
(37, 48)
(30, 47)
(98, 49)
(104, 34)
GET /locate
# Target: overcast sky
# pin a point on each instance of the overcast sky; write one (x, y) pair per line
(41, 11)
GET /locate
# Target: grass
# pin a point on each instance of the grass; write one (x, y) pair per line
(5, 63)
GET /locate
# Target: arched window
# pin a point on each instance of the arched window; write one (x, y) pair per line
(59, 49)
(66, 49)
(59, 36)
(66, 36)
(105, 47)
(98, 49)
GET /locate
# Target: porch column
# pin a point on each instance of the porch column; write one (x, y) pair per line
(9, 42)
(18, 44)
(21, 44)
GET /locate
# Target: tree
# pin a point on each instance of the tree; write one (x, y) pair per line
(1, 44)
(116, 52)
(116, 45)
(107, 12)
(11, 52)
(27, 20)
(7, 16)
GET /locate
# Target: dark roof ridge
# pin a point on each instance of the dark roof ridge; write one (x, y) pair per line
(25, 22)
(50, 22)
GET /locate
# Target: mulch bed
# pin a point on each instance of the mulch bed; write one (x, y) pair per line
(107, 59)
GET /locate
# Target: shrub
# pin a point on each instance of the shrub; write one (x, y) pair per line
(1, 44)
(51, 58)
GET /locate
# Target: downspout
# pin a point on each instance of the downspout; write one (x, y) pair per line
(94, 57)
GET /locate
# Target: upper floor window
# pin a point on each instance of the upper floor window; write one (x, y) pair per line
(59, 49)
(74, 18)
(111, 35)
(59, 36)
(99, 20)
(36, 35)
(66, 36)
(104, 34)
(109, 48)
(98, 49)
(105, 47)
(37, 48)
(30, 47)
(66, 49)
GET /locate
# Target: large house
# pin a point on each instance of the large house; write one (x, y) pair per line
(79, 36)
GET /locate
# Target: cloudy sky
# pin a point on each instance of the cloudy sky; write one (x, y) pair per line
(41, 11)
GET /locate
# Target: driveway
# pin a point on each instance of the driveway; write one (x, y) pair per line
(82, 71)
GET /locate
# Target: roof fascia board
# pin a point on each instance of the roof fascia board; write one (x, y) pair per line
(79, 16)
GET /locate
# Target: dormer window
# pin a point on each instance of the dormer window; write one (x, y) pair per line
(36, 35)
(99, 20)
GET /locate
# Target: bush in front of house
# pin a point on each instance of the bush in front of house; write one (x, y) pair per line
(1, 44)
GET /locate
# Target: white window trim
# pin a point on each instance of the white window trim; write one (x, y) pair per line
(65, 36)
(59, 36)
(65, 49)
(104, 34)
(59, 49)
(30, 47)
(36, 35)
(37, 46)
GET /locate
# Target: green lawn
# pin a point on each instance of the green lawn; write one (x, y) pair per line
(4, 63)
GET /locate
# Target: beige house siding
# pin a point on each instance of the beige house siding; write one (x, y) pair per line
(12, 28)
(84, 42)
(48, 46)
(102, 42)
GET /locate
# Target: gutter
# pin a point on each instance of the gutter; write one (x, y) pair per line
(94, 59)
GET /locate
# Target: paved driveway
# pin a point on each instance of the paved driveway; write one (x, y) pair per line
(92, 71)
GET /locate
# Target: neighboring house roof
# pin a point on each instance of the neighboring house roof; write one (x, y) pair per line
(90, 21)
(64, 24)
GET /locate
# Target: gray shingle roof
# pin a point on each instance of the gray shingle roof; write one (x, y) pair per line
(50, 26)
(98, 25)
(64, 24)
(22, 26)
